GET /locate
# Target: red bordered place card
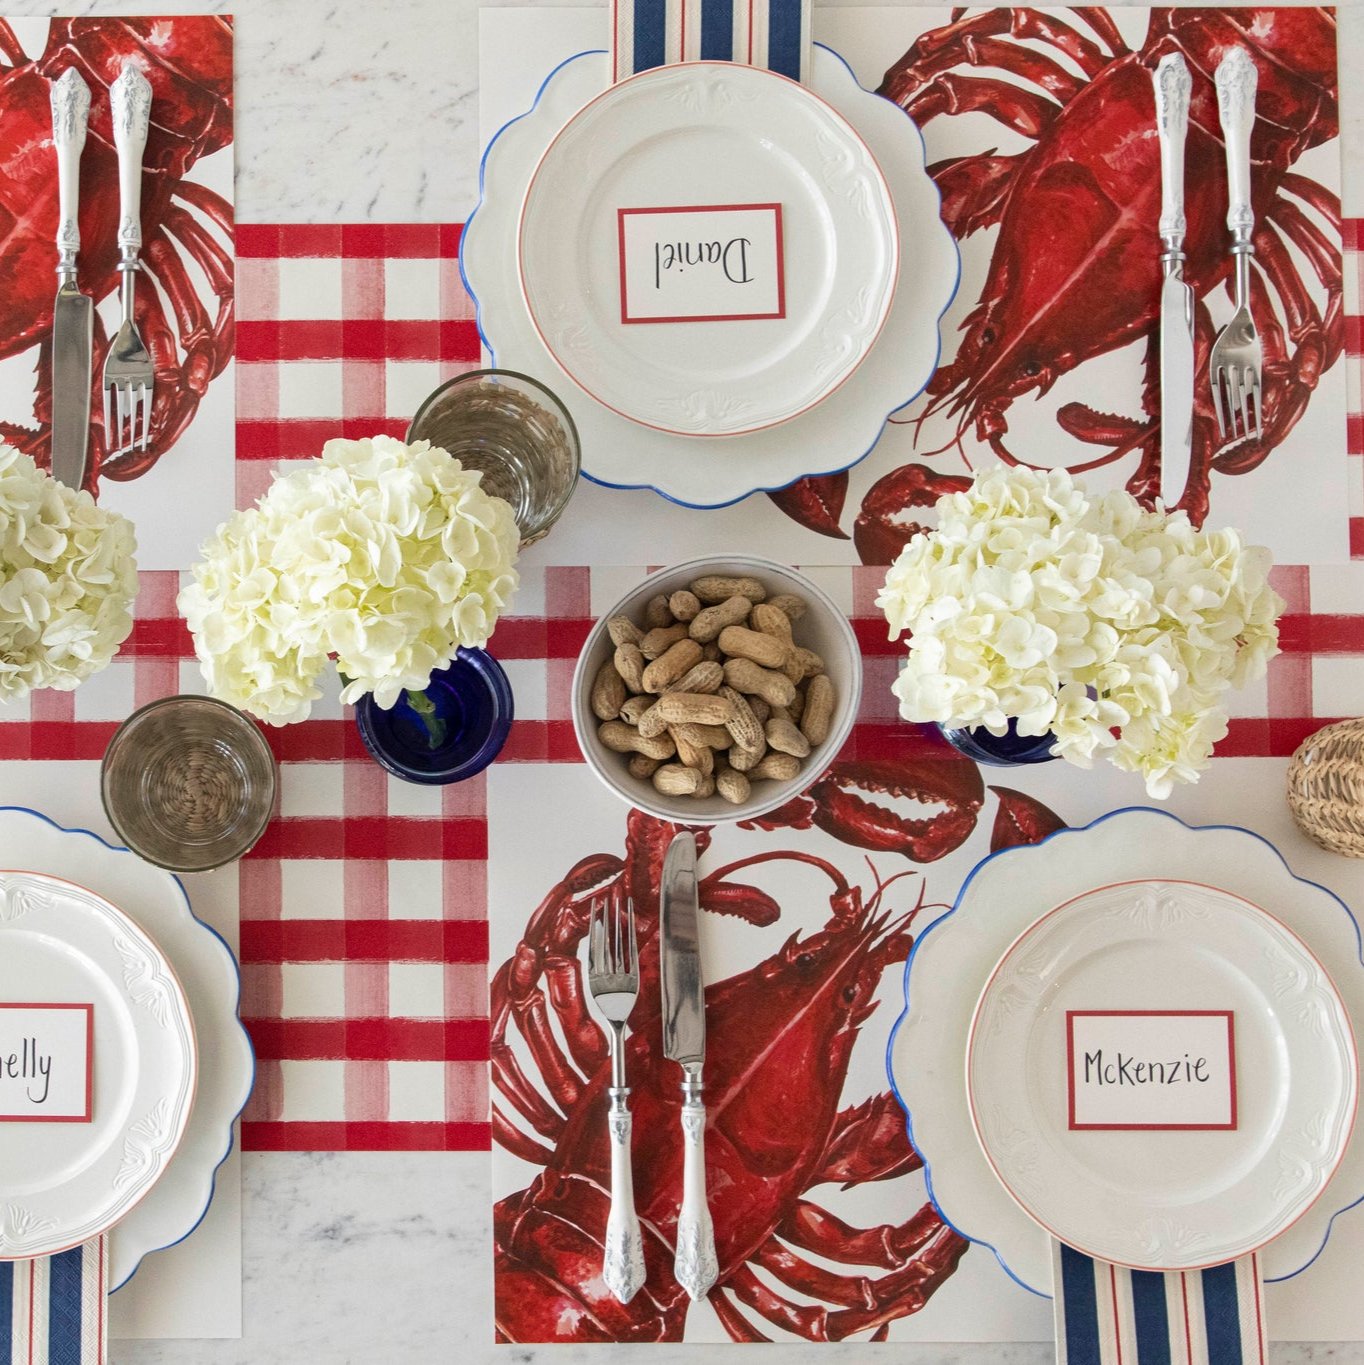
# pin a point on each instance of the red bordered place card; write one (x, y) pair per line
(47, 1063)
(702, 263)
(1151, 1069)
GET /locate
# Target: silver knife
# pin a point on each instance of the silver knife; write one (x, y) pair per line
(684, 1041)
(73, 313)
(1173, 84)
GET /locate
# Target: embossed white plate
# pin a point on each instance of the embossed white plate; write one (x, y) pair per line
(1163, 1200)
(62, 1183)
(709, 133)
(1006, 893)
(832, 435)
(208, 973)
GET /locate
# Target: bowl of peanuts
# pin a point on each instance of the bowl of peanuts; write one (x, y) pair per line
(717, 690)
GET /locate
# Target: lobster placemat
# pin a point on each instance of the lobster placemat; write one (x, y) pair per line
(1040, 133)
(181, 487)
(824, 1229)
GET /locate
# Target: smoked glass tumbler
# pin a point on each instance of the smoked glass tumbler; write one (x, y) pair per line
(514, 430)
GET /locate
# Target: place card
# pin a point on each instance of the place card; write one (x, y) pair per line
(702, 263)
(1139, 1069)
(47, 1055)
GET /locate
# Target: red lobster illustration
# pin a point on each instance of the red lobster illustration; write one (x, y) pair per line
(1075, 272)
(782, 1036)
(188, 61)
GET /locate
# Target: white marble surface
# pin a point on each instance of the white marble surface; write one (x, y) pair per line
(375, 1259)
(381, 1258)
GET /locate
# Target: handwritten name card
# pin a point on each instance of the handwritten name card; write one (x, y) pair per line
(712, 263)
(1136, 1069)
(46, 1063)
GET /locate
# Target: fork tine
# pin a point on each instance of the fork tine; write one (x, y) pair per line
(121, 403)
(594, 939)
(617, 926)
(634, 947)
(1247, 379)
(108, 422)
(1218, 403)
(1255, 402)
(1234, 398)
(144, 402)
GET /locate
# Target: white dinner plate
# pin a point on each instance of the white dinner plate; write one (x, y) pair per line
(953, 957)
(1160, 1197)
(207, 971)
(65, 1182)
(833, 434)
(709, 134)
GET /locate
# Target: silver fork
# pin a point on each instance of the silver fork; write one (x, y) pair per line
(1236, 362)
(613, 979)
(129, 377)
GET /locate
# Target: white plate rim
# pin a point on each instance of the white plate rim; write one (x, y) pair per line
(843, 463)
(725, 67)
(1351, 1048)
(193, 1060)
(245, 1037)
(903, 1018)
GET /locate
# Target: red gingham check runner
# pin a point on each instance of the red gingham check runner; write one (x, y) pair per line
(364, 938)
(363, 908)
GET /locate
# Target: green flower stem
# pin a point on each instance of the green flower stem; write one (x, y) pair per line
(426, 709)
(436, 728)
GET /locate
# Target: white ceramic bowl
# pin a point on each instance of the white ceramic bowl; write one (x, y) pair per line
(823, 628)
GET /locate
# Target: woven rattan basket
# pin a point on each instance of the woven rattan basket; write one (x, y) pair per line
(1326, 787)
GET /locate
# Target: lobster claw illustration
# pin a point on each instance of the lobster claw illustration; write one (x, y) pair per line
(185, 315)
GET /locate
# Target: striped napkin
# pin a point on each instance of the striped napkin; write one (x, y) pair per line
(1108, 1315)
(54, 1311)
(771, 33)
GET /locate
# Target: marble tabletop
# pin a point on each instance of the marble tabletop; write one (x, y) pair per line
(382, 1257)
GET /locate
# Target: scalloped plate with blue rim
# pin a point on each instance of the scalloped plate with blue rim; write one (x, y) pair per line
(1257, 1125)
(714, 472)
(1004, 895)
(209, 975)
(100, 1063)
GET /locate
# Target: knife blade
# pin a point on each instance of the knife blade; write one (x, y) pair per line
(73, 312)
(1173, 85)
(684, 1041)
(1176, 389)
(684, 1007)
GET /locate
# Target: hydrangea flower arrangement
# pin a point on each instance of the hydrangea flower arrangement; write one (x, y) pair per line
(381, 557)
(1115, 629)
(67, 580)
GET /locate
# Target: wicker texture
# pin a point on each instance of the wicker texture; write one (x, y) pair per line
(189, 783)
(1326, 787)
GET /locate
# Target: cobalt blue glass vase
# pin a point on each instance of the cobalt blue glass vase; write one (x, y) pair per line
(451, 730)
(1008, 750)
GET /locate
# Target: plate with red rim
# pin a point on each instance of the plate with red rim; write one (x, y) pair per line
(694, 141)
(832, 435)
(208, 973)
(1006, 893)
(67, 1181)
(1167, 1173)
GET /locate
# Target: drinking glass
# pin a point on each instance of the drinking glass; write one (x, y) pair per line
(514, 430)
(188, 783)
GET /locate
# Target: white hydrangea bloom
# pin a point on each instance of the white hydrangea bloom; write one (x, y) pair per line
(381, 557)
(67, 580)
(1115, 629)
